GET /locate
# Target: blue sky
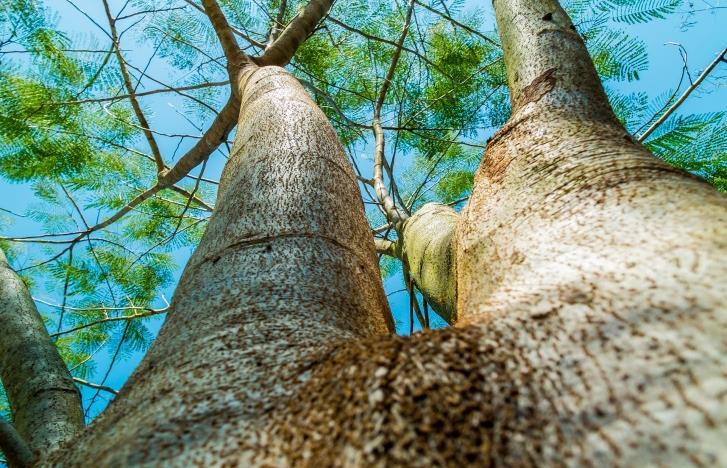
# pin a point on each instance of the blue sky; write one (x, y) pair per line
(702, 41)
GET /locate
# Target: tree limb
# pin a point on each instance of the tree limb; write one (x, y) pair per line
(131, 91)
(95, 386)
(45, 404)
(277, 25)
(236, 58)
(13, 446)
(393, 214)
(282, 50)
(683, 97)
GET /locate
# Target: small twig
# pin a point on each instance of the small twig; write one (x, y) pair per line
(95, 386)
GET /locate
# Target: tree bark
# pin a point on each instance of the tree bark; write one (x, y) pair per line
(286, 269)
(590, 324)
(599, 267)
(44, 402)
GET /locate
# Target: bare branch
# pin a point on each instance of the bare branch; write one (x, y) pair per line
(175, 89)
(236, 31)
(216, 134)
(95, 386)
(236, 58)
(683, 97)
(387, 247)
(457, 23)
(393, 214)
(386, 41)
(131, 91)
(277, 25)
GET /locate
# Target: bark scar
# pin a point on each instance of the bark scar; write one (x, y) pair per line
(538, 88)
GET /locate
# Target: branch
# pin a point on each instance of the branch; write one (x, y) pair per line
(236, 31)
(13, 446)
(282, 50)
(95, 386)
(236, 58)
(46, 405)
(215, 135)
(393, 215)
(149, 313)
(387, 41)
(277, 23)
(147, 93)
(683, 97)
(387, 247)
(131, 92)
(458, 24)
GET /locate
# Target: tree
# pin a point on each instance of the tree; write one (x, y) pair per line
(579, 332)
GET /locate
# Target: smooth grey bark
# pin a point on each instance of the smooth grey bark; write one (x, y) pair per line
(44, 401)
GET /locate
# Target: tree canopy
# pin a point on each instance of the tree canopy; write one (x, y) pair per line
(92, 122)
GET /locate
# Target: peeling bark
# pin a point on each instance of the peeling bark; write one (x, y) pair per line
(44, 402)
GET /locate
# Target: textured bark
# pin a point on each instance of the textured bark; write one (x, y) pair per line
(599, 267)
(590, 326)
(286, 269)
(44, 402)
(13, 447)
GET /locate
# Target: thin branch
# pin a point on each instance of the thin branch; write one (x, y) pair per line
(95, 386)
(236, 58)
(148, 93)
(236, 31)
(131, 91)
(386, 41)
(393, 214)
(457, 23)
(684, 96)
(277, 25)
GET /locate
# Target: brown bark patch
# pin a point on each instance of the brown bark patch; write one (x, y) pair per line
(538, 88)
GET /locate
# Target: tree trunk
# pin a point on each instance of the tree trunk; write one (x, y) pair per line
(285, 269)
(591, 326)
(600, 268)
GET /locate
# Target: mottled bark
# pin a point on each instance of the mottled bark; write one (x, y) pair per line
(286, 269)
(44, 402)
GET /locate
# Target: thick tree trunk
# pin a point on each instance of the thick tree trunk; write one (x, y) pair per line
(44, 401)
(286, 268)
(600, 268)
(591, 326)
